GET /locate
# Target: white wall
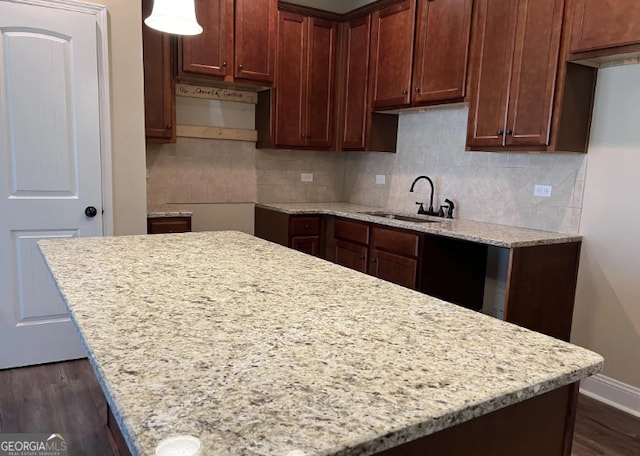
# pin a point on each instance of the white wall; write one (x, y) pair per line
(607, 311)
(127, 116)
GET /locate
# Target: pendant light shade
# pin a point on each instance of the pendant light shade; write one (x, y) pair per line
(174, 16)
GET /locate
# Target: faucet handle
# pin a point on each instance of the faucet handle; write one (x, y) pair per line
(451, 208)
(421, 208)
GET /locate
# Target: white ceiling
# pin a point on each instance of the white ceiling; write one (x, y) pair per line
(337, 6)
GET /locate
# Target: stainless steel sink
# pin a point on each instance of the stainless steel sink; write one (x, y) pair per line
(402, 217)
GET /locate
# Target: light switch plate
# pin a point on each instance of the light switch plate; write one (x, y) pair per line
(380, 179)
(542, 190)
(306, 177)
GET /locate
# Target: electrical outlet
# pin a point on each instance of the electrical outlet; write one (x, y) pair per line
(306, 177)
(380, 179)
(542, 190)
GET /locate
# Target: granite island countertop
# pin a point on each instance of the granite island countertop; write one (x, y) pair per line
(468, 230)
(258, 349)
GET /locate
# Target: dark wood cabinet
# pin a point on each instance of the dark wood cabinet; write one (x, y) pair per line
(518, 99)
(211, 52)
(357, 35)
(299, 232)
(390, 254)
(441, 51)
(304, 234)
(515, 72)
(255, 40)
(391, 56)
(159, 87)
(161, 225)
(602, 28)
(238, 42)
(304, 93)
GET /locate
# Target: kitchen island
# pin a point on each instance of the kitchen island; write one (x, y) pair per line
(258, 349)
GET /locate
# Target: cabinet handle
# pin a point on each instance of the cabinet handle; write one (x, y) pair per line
(373, 260)
(224, 64)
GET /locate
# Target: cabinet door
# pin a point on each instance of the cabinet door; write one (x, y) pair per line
(211, 52)
(441, 50)
(307, 244)
(494, 28)
(255, 39)
(534, 69)
(159, 89)
(357, 74)
(599, 24)
(350, 255)
(290, 80)
(393, 268)
(320, 82)
(392, 54)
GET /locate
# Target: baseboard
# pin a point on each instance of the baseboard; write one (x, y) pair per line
(612, 392)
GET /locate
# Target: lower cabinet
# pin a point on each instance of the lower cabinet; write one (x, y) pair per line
(390, 254)
(162, 225)
(299, 232)
(304, 234)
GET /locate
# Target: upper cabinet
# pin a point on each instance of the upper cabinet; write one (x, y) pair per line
(159, 88)
(602, 28)
(356, 67)
(238, 42)
(391, 55)
(425, 67)
(518, 101)
(441, 50)
(299, 112)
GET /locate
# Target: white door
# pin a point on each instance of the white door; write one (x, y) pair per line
(49, 170)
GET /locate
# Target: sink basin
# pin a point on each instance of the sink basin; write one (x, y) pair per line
(402, 217)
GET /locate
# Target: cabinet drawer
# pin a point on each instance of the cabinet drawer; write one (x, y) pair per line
(349, 230)
(400, 242)
(162, 225)
(301, 226)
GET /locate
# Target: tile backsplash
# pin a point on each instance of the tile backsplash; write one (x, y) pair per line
(489, 187)
(493, 187)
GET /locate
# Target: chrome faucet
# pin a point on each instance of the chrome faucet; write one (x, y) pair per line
(421, 210)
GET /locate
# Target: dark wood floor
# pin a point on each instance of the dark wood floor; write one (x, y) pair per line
(66, 398)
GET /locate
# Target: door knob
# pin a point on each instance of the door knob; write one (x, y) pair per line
(90, 211)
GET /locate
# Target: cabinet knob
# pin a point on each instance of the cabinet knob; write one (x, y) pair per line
(509, 132)
(224, 64)
(308, 136)
(362, 257)
(168, 127)
(240, 67)
(373, 260)
(405, 92)
(306, 227)
(499, 132)
(417, 89)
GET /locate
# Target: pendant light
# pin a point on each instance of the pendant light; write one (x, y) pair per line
(174, 16)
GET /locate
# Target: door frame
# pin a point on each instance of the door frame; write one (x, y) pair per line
(104, 95)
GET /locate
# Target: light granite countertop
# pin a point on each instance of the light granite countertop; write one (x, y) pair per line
(469, 230)
(257, 349)
(167, 211)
